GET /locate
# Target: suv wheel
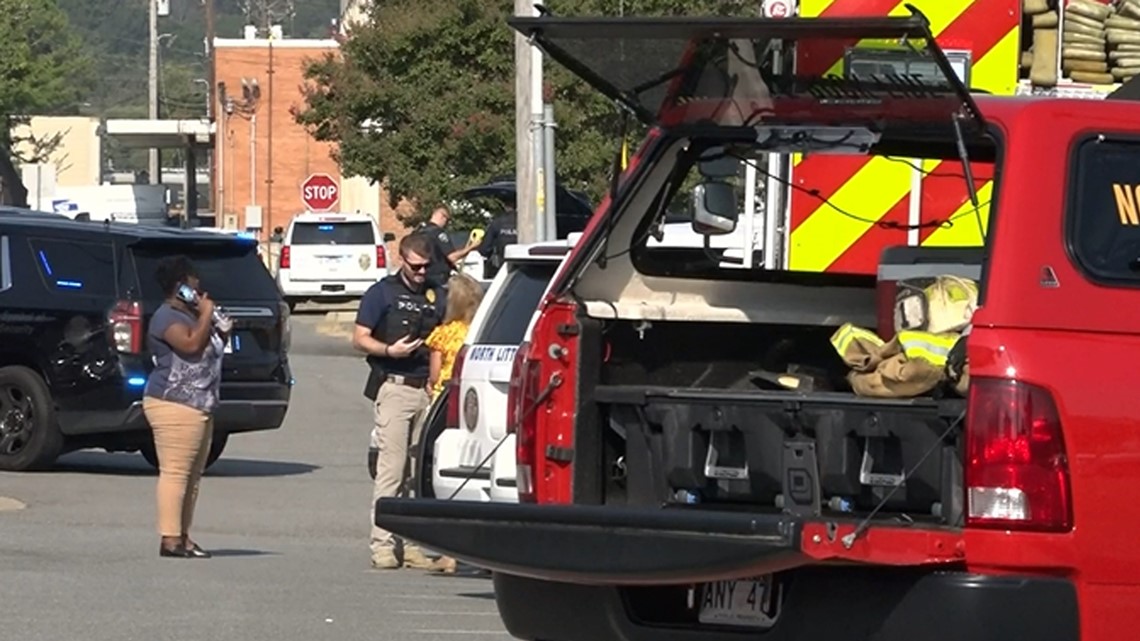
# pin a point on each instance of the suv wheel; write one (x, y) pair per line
(217, 445)
(29, 435)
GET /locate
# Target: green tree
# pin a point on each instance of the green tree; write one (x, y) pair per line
(43, 69)
(422, 97)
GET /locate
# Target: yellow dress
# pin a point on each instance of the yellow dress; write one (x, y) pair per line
(446, 339)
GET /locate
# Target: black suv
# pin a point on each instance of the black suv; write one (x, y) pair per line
(75, 300)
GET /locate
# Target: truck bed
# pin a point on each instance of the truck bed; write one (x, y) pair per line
(683, 424)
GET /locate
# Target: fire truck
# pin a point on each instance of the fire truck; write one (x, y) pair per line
(835, 213)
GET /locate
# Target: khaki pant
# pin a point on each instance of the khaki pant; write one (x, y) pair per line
(398, 420)
(182, 437)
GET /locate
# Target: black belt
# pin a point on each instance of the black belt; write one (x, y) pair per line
(409, 381)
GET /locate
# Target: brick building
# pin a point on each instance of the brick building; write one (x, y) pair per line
(260, 84)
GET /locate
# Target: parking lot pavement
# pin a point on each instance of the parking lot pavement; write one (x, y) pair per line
(286, 513)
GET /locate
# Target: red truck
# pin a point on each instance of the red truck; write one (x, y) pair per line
(668, 495)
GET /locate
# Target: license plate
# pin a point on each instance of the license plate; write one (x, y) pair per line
(745, 603)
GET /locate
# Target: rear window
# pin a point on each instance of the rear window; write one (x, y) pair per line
(507, 322)
(76, 267)
(1104, 213)
(229, 272)
(333, 234)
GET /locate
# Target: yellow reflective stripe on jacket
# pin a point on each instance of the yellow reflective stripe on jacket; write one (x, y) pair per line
(843, 337)
(932, 348)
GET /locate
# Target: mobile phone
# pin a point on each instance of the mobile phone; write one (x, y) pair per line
(187, 294)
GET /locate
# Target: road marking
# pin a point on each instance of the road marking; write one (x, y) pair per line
(8, 504)
(465, 614)
(499, 632)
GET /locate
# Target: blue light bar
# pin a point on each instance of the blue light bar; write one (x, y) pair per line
(325, 227)
(136, 381)
(44, 260)
(69, 284)
(246, 235)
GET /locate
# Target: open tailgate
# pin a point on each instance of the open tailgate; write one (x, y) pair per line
(613, 545)
(692, 70)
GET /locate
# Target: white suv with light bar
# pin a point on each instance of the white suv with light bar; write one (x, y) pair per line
(331, 257)
(474, 455)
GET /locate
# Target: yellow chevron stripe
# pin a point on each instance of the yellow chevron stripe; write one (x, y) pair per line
(826, 233)
(964, 232)
(993, 72)
(940, 13)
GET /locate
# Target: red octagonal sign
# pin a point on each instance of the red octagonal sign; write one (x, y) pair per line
(320, 192)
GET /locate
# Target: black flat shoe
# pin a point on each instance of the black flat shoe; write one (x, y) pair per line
(176, 552)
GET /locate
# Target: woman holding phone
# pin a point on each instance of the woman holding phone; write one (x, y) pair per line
(180, 396)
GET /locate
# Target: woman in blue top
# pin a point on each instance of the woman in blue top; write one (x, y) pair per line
(180, 397)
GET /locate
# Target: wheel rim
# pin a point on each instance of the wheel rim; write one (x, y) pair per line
(17, 419)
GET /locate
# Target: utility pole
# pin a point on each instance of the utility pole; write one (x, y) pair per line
(153, 93)
(211, 110)
(211, 80)
(526, 162)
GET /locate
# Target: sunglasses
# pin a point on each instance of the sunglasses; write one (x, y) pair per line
(416, 267)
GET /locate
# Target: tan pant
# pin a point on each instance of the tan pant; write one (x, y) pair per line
(182, 440)
(398, 420)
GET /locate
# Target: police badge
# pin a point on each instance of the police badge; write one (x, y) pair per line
(365, 262)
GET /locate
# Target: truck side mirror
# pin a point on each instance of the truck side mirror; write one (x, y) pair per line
(714, 208)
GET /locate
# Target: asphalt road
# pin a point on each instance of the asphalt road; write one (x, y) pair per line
(286, 513)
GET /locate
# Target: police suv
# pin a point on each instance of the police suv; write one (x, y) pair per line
(331, 257)
(473, 455)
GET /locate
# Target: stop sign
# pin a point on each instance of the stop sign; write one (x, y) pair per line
(777, 8)
(320, 192)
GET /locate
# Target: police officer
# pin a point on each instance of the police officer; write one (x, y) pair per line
(396, 315)
(502, 231)
(444, 257)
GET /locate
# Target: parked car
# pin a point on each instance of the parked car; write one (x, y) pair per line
(667, 492)
(572, 208)
(75, 300)
(331, 258)
(473, 457)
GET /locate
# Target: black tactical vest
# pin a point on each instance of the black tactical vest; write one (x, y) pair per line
(409, 313)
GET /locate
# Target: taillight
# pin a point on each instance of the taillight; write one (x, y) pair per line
(542, 405)
(1017, 471)
(381, 257)
(283, 263)
(522, 420)
(125, 320)
(285, 325)
(454, 400)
